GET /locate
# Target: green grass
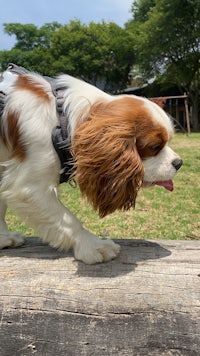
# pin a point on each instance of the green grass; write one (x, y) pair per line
(159, 214)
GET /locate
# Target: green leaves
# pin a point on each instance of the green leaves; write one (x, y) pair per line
(100, 53)
(167, 43)
(167, 32)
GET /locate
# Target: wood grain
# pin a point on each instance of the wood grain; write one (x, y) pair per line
(145, 302)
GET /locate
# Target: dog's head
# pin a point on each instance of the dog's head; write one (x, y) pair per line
(122, 146)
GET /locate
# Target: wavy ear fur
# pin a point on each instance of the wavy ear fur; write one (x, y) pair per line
(109, 170)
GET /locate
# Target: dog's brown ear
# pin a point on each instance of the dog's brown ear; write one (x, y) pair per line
(109, 170)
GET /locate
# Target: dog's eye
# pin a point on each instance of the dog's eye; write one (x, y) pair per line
(155, 148)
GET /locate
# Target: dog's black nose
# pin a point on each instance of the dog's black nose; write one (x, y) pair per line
(177, 163)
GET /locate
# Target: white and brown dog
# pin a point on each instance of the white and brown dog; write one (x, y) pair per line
(119, 144)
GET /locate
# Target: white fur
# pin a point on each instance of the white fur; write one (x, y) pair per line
(7, 82)
(159, 168)
(30, 187)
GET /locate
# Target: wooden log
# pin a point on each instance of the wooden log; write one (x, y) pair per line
(145, 302)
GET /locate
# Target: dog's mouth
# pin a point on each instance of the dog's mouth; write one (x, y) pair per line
(167, 184)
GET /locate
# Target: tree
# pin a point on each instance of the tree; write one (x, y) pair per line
(101, 53)
(28, 36)
(32, 47)
(168, 44)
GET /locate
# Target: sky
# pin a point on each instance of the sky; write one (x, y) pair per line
(39, 12)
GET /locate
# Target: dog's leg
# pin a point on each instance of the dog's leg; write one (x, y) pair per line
(64, 231)
(7, 238)
(57, 226)
(87, 247)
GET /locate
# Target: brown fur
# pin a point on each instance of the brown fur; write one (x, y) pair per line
(109, 169)
(26, 82)
(13, 136)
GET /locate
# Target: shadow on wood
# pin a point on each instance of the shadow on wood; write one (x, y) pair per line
(145, 302)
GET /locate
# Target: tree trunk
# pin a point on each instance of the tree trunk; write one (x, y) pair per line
(145, 302)
(195, 119)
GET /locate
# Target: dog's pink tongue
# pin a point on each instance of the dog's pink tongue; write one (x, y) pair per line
(167, 184)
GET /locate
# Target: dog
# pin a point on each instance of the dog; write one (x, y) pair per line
(117, 143)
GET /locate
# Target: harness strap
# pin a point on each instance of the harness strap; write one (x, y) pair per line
(62, 147)
(16, 69)
(59, 94)
(2, 102)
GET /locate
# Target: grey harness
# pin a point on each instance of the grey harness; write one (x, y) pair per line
(60, 136)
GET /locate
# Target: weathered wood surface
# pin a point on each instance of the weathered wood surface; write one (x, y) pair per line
(146, 302)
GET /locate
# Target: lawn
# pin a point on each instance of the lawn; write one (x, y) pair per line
(159, 214)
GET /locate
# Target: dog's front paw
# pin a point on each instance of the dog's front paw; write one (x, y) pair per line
(91, 249)
(11, 239)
